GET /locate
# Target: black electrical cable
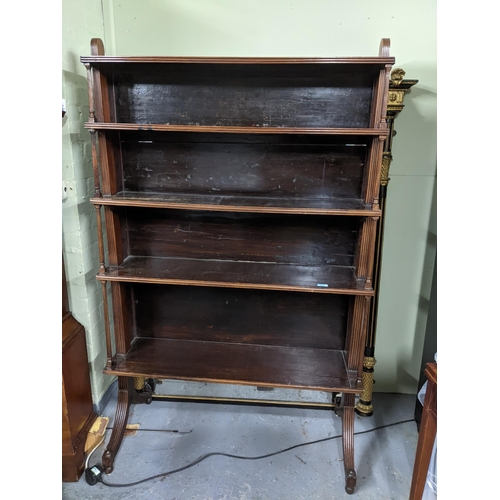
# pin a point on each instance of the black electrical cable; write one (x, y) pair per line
(217, 453)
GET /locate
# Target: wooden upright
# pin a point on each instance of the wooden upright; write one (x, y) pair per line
(241, 201)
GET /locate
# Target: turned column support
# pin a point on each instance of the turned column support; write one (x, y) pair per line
(109, 348)
(398, 87)
(90, 87)
(95, 165)
(100, 243)
(365, 406)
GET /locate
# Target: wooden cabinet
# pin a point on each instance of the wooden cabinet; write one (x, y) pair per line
(77, 410)
(427, 434)
(240, 197)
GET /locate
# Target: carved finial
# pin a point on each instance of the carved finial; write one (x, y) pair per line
(96, 47)
(397, 76)
(385, 45)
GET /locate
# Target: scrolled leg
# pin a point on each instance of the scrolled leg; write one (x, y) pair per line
(125, 394)
(348, 442)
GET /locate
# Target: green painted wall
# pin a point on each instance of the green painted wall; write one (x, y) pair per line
(327, 28)
(81, 22)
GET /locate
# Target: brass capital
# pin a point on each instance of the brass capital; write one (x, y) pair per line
(369, 362)
(396, 97)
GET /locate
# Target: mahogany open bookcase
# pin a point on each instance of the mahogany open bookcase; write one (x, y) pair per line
(240, 202)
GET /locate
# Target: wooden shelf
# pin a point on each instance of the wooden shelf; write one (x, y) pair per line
(262, 365)
(235, 60)
(161, 127)
(237, 274)
(251, 204)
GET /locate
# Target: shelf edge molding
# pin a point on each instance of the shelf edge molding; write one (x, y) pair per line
(248, 364)
(382, 60)
(164, 202)
(189, 272)
(161, 127)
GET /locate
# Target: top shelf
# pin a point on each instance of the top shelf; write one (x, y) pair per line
(236, 60)
(285, 95)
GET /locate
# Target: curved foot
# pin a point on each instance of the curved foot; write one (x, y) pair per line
(350, 481)
(107, 462)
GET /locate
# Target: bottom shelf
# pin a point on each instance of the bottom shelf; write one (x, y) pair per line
(261, 365)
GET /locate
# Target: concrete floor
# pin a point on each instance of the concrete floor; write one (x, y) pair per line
(384, 458)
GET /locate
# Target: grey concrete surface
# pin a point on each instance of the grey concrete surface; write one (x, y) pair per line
(173, 434)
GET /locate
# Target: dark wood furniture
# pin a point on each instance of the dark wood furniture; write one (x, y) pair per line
(430, 342)
(77, 409)
(427, 434)
(241, 200)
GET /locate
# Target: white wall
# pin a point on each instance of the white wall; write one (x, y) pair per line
(81, 21)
